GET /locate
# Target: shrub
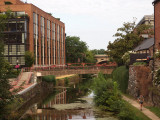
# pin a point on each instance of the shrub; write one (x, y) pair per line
(29, 59)
(66, 81)
(121, 76)
(157, 54)
(126, 113)
(50, 79)
(157, 77)
(107, 96)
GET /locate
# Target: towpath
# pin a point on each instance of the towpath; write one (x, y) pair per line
(146, 111)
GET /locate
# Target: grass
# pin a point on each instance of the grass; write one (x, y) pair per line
(137, 112)
(129, 96)
(155, 110)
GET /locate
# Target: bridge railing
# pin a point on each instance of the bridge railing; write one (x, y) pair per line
(53, 68)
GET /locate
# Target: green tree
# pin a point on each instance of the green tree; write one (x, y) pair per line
(89, 58)
(29, 59)
(5, 94)
(98, 51)
(127, 37)
(75, 49)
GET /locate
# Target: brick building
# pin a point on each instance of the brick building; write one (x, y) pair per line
(157, 25)
(31, 29)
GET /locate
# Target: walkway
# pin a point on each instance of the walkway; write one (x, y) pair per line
(23, 81)
(146, 111)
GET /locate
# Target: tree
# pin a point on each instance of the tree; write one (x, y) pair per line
(29, 59)
(127, 37)
(75, 49)
(98, 51)
(89, 58)
(5, 94)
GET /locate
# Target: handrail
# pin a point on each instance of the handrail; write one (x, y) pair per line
(54, 68)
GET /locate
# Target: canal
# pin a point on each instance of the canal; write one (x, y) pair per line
(74, 102)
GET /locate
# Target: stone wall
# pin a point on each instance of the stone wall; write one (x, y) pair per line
(40, 87)
(140, 81)
(155, 91)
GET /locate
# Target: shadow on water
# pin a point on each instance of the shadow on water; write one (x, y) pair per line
(75, 102)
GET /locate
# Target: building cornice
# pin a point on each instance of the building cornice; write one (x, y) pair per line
(155, 2)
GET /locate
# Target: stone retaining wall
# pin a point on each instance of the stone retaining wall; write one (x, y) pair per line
(140, 81)
(32, 91)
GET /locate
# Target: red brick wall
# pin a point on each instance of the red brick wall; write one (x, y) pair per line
(2, 2)
(157, 26)
(29, 9)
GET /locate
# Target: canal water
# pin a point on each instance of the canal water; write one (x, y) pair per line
(65, 103)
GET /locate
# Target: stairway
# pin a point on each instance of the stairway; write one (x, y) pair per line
(25, 78)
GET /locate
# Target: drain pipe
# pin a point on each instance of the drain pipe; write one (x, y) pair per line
(153, 63)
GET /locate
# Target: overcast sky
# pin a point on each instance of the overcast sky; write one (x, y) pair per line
(95, 21)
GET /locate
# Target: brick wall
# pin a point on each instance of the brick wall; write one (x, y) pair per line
(29, 9)
(157, 25)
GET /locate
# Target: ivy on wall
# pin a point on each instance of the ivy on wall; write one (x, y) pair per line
(157, 77)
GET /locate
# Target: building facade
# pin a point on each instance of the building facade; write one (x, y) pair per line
(31, 29)
(157, 25)
(102, 58)
(147, 19)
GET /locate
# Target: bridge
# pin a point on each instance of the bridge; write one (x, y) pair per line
(28, 76)
(59, 71)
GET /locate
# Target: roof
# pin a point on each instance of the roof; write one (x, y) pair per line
(146, 44)
(146, 18)
(155, 1)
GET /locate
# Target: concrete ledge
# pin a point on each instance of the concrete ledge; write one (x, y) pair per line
(27, 89)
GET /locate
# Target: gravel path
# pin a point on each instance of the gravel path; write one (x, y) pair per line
(146, 111)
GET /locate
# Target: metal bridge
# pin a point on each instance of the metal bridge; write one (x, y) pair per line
(59, 71)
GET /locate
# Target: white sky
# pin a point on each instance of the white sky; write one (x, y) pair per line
(95, 21)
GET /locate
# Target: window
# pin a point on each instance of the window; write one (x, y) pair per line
(18, 48)
(12, 26)
(7, 3)
(10, 60)
(20, 26)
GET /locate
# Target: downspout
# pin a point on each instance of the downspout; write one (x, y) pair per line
(153, 63)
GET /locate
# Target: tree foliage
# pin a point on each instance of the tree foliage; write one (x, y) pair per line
(98, 51)
(127, 37)
(29, 59)
(5, 94)
(75, 49)
(107, 96)
(89, 58)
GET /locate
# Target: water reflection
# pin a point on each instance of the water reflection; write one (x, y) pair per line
(65, 104)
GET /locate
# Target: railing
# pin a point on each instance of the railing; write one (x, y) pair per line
(59, 68)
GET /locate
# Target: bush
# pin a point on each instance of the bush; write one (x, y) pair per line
(121, 76)
(50, 79)
(107, 96)
(126, 113)
(29, 59)
(66, 81)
